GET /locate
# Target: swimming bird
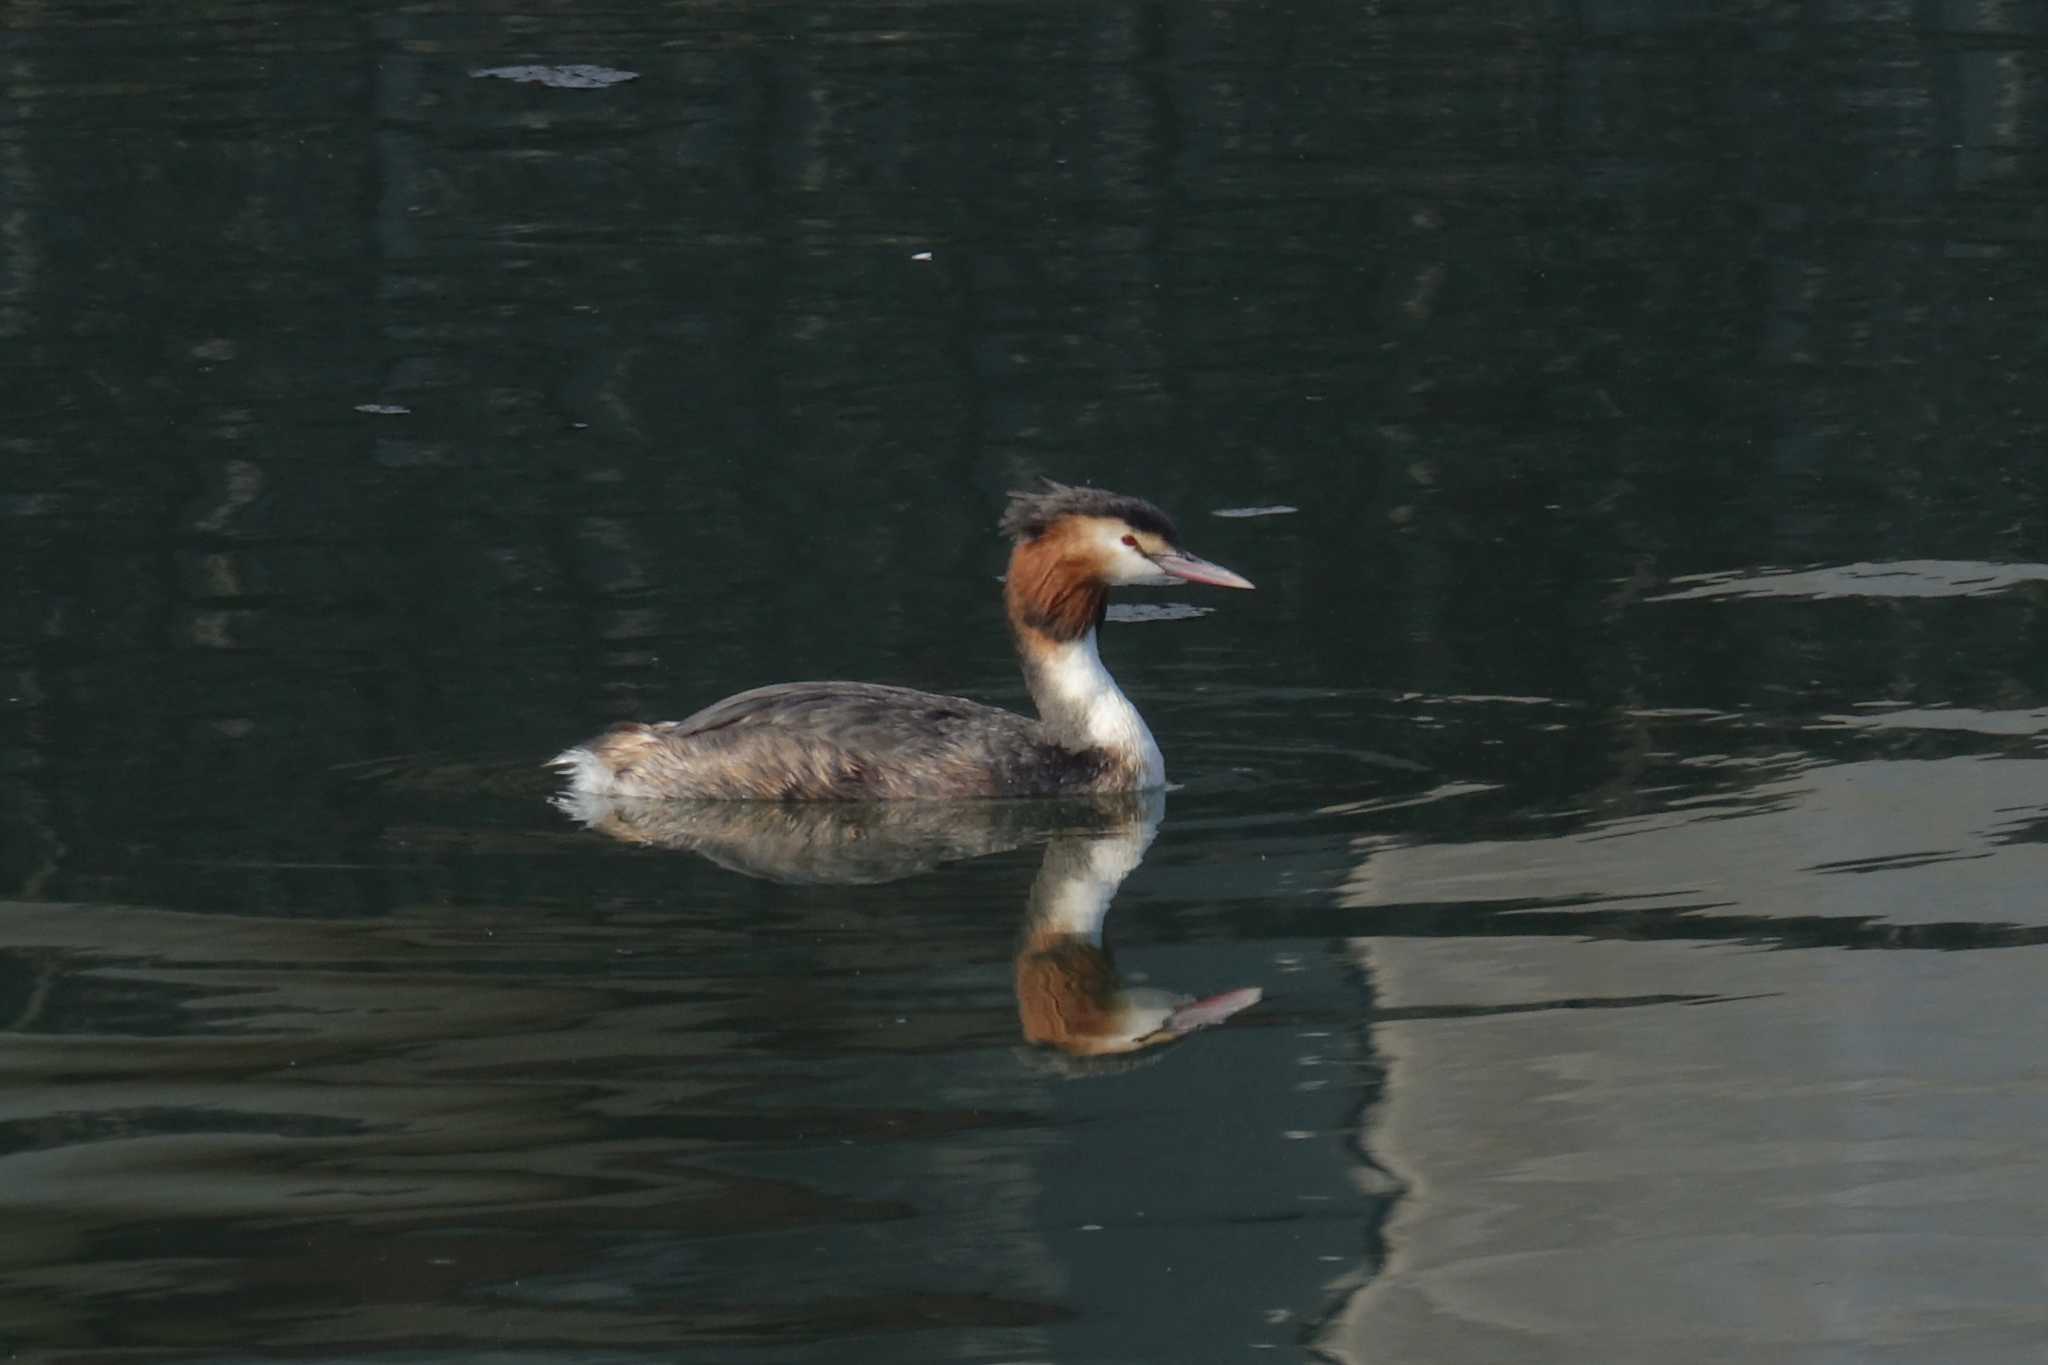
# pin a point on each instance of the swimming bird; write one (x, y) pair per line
(848, 741)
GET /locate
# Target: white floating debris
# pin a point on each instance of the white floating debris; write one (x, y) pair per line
(572, 76)
(1155, 611)
(1278, 509)
(384, 409)
(922, 256)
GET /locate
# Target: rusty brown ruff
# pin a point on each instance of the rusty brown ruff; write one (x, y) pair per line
(1054, 588)
(1066, 991)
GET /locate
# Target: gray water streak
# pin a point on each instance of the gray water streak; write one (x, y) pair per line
(1831, 1159)
(1948, 833)
(1835, 1163)
(1903, 578)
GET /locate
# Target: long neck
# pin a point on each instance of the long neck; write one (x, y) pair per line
(1080, 874)
(1055, 605)
(1068, 990)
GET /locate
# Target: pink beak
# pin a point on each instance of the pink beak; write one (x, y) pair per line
(1196, 570)
(1214, 1010)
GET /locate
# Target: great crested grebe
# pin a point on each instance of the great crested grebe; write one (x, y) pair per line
(844, 741)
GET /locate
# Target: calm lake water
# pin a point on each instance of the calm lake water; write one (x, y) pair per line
(1626, 788)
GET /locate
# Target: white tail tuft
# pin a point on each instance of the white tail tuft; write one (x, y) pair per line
(588, 774)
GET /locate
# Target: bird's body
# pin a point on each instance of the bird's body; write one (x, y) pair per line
(843, 741)
(826, 741)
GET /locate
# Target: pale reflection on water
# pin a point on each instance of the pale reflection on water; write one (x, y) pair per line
(1070, 995)
(1819, 1154)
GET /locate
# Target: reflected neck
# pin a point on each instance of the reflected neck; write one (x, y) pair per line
(1079, 878)
(1068, 991)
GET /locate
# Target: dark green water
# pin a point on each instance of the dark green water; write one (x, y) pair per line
(1622, 785)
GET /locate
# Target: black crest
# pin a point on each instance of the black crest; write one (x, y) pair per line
(1030, 515)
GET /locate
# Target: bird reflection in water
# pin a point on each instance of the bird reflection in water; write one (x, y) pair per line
(1070, 996)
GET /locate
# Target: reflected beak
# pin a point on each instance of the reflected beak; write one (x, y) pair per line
(1214, 1010)
(1195, 570)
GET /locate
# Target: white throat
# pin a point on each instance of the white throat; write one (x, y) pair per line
(1081, 874)
(1081, 704)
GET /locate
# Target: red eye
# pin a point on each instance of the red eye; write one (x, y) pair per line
(1131, 541)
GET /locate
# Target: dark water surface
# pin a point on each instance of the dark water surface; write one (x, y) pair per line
(1623, 786)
